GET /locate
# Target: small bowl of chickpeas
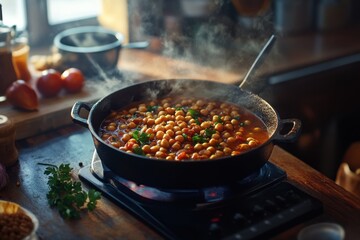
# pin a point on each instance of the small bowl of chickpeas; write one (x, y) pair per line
(16, 222)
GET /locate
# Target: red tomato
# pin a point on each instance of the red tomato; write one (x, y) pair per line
(73, 80)
(49, 83)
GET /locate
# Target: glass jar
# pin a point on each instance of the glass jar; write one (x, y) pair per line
(7, 70)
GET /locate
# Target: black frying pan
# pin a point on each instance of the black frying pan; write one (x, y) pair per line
(190, 173)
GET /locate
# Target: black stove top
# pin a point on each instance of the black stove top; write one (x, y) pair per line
(257, 206)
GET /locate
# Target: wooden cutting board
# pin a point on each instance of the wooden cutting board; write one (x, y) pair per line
(136, 65)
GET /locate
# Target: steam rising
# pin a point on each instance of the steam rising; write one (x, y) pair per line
(216, 40)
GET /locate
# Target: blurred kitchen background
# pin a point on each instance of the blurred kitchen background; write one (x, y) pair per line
(316, 77)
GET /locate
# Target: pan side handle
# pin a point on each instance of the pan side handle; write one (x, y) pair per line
(288, 131)
(75, 113)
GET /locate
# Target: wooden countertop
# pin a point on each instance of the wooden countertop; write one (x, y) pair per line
(73, 144)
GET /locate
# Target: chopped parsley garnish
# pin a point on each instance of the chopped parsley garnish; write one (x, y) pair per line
(198, 138)
(194, 114)
(138, 151)
(209, 132)
(152, 108)
(142, 138)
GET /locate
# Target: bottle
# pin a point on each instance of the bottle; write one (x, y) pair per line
(8, 151)
(7, 69)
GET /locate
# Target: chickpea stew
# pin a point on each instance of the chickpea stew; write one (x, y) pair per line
(179, 129)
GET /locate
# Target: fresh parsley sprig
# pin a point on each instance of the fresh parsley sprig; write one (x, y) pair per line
(67, 194)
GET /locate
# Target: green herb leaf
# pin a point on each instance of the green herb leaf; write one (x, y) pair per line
(142, 138)
(193, 113)
(152, 108)
(138, 151)
(209, 132)
(198, 138)
(66, 194)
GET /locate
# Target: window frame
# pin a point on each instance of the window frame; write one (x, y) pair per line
(40, 32)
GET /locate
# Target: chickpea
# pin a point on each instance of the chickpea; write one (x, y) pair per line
(234, 153)
(161, 113)
(219, 153)
(227, 151)
(131, 125)
(226, 135)
(205, 124)
(105, 136)
(257, 129)
(247, 122)
(170, 110)
(159, 134)
(205, 145)
(170, 157)
(234, 122)
(111, 128)
(204, 112)
(182, 125)
(226, 118)
(235, 114)
(160, 154)
(150, 122)
(146, 149)
(179, 113)
(176, 146)
(159, 120)
(142, 108)
(219, 127)
(205, 153)
(123, 126)
(188, 117)
(200, 102)
(211, 149)
(159, 128)
(116, 144)
(170, 133)
(229, 126)
(172, 141)
(179, 138)
(126, 137)
(149, 131)
(230, 140)
(244, 147)
(135, 146)
(195, 156)
(198, 147)
(215, 136)
(253, 143)
(162, 149)
(164, 143)
(166, 136)
(191, 121)
(213, 142)
(215, 118)
(154, 149)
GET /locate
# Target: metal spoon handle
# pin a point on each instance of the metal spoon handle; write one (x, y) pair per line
(264, 51)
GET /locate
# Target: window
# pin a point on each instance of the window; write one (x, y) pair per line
(62, 11)
(14, 13)
(43, 19)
